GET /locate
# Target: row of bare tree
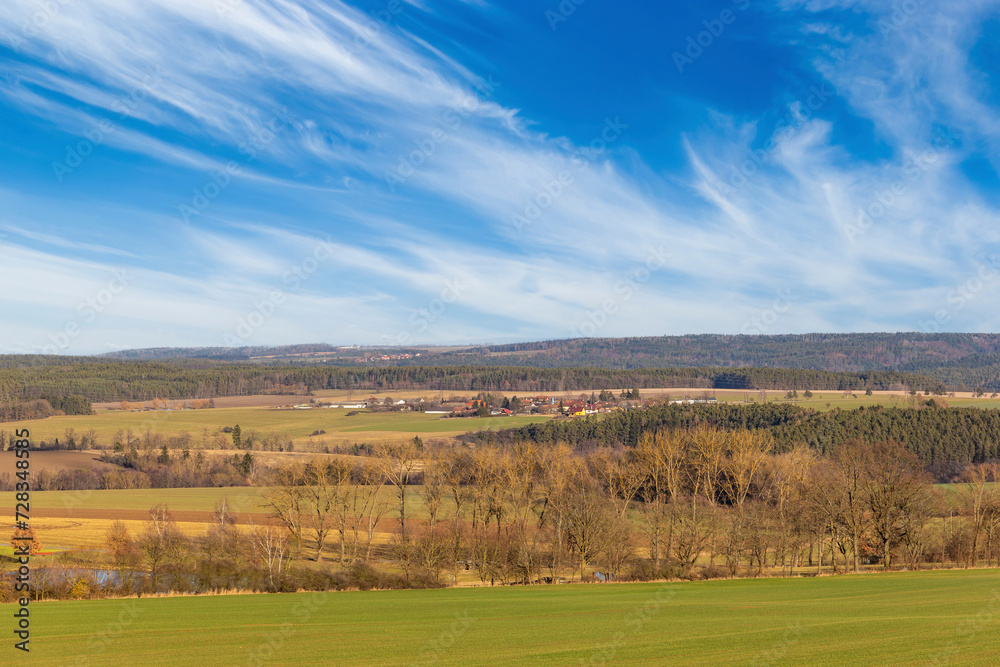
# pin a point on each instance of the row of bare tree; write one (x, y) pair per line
(162, 558)
(719, 498)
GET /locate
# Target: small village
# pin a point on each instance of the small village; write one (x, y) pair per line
(499, 405)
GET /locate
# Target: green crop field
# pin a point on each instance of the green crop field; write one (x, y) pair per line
(202, 425)
(822, 401)
(895, 619)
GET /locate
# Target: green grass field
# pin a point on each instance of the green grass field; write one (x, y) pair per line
(202, 425)
(895, 619)
(828, 400)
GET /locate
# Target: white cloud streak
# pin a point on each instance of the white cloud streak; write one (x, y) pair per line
(359, 108)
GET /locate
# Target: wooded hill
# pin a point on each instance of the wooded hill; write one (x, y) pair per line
(961, 361)
(25, 378)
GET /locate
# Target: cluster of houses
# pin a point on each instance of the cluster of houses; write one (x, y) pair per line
(355, 405)
(693, 401)
(583, 408)
(471, 408)
(384, 357)
(543, 405)
(373, 402)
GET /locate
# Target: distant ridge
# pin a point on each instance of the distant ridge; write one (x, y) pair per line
(219, 353)
(957, 359)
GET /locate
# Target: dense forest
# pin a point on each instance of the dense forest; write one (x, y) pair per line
(28, 378)
(834, 352)
(945, 440)
(963, 361)
(69, 405)
(45, 406)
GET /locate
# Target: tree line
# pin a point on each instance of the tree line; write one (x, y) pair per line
(43, 407)
(159, 558)
(962, 361)
(698, 501)
(147, 469)
(102, 380)
(688, 503)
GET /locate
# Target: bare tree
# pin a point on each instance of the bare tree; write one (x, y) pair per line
(980, 496)
(434, 483)
(456, 466)
(323, 484)
(341, 490)
(559, 468)
(660, 461)
(895, 487)
(747, 454)
(619, 550)
(707, 451)
(223, 514)
(431, 551)
(271, 546)
(620, 475)
(125, 555)
(287, 502)
(366, 506)
(851, 467)
(160, 519)
(160, 543)
(491, 485)
(589, 524)
(916, 528)
(397, 463)
(521, 474)
(785, 489)
(488, 550)
(824, 502)
(692, 531)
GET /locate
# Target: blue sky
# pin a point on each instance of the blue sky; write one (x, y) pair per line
(250, 172)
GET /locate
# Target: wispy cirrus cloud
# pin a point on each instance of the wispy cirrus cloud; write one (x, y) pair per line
(539, 228)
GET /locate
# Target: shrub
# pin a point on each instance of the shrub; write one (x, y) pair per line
(710, 572)
(80, 589)
(645, 570)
